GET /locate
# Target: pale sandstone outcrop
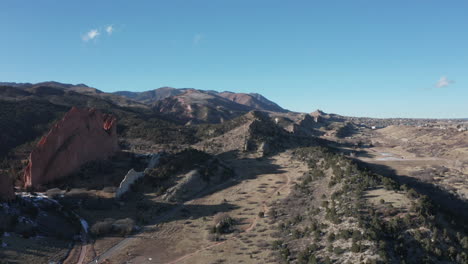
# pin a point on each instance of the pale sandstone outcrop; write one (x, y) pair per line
(133, 176)
(127, 182)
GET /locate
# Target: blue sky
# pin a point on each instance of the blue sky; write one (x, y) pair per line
(363, 58)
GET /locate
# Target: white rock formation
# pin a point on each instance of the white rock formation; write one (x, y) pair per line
(133, 176)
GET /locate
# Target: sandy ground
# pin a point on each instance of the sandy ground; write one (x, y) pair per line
(389, 197)
(428, 155)
(424, 168)
(183, 236)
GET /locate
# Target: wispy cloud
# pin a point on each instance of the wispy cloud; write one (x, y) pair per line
(92, 34)
(443, 82)
(197, 38)
(109, 30)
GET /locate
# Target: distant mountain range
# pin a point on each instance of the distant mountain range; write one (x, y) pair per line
(251, 100)
(163, 116)
(201, 106)
(183, 105)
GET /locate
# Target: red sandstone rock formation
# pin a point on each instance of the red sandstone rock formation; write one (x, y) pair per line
(82, 135)
(6, 188)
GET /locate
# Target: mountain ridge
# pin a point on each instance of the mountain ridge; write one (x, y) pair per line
(182, 105)
(254, 100)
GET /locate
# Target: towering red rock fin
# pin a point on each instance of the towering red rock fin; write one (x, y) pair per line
(76, 139)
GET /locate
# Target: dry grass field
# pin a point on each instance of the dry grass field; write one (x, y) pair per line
(182, 234)
(432, 155)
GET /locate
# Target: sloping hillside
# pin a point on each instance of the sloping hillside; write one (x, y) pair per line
(199, 107)
(19, 91)
(253, 100)
(27, 112)
(149, 97)
(253, 132)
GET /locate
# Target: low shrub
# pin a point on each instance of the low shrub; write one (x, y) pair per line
(102, 227)
(222, 223)
(122, 227)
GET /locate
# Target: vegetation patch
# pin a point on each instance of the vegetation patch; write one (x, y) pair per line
(360, 216)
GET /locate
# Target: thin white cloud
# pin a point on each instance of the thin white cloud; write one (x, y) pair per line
(95, 33)
(109, 30)
(92, 34)
(443, 82)
(197, 38)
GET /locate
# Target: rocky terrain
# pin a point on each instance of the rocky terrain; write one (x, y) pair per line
(191, 176)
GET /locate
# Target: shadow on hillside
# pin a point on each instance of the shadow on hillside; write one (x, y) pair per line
(141, 205)
(244, 169)
(20, 248)
(447, 202)
(99, 174)
(34, 229)
(363, 154)
(347, 148)
(453, 206)
(180, 211)
(140, 208)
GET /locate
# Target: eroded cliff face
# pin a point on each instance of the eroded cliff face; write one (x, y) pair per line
(82, 135)
(6, 188)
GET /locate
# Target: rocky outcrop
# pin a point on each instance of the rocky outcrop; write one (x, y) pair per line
(255, 132)
(191, 183)
(264, 135)
(198, 180)
(6, 188)
(83, 135)
(307, 125)
(132, 176)
(319, 115)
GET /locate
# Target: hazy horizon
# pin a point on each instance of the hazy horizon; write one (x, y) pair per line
(396, 59)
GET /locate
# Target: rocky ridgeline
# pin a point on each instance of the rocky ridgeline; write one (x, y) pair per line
(264, 136)
(82, 135)
(307, 125)
(254, 132)
(199, 180)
